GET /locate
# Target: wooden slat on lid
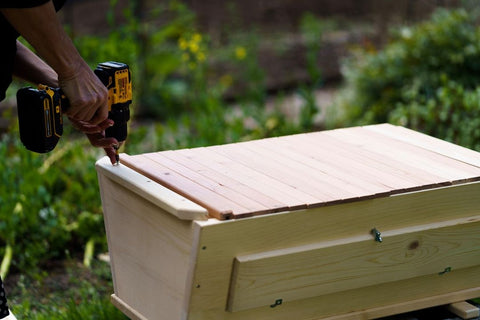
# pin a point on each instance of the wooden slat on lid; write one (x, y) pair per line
(214, 183)
(344, 158)
(424, 141)
(363, 165)
(281, 170)
(217, 205)
(259, 182)
(308, 170)
(301, 154)
(351, 167)
(426, 160)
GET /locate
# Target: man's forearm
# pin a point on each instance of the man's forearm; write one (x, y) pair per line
(41, 28)
(28, 66)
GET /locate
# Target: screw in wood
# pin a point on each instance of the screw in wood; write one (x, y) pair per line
(447, 270)
(377, 235)
(276, 303)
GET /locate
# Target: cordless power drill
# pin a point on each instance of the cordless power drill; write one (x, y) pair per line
(40, 110)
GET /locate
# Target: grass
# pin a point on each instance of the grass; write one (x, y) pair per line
(64, 290)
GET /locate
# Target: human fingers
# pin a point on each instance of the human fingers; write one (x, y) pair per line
(108, 144)
(87, 95)
(99, 140)
(88, 128)
(111, 154)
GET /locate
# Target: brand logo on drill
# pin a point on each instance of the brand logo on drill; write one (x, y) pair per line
(124, 93)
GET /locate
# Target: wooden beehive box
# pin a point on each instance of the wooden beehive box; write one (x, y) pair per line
(284, 228)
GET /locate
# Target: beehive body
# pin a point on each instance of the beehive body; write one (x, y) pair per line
(281, 228)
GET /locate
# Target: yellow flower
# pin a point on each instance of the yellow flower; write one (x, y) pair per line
(194, 47)
(201, 56)
(271, 123)
(240, 53)
(197, 37)
(182, 43)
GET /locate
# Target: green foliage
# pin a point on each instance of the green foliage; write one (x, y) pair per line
(153, 53)
(312, 30)
(40, 196)
(195, 111)
(451, 113)
(76, 293)
(427, 78)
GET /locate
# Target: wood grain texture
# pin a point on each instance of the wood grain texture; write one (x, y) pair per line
(151, 252)
(126, 309)
(333, 266)
(427, 142)
(308, 170)
(226, 240)
(303, 247)
(164, 198)
(217, 205)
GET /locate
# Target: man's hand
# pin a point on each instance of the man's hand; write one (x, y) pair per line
(96, 136)
(87, 95)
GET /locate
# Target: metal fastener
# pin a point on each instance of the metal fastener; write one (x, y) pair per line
(377, 235)
(276, 303)
(447, 270)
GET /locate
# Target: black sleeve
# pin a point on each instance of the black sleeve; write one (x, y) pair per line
(21, 3)
(8, 40)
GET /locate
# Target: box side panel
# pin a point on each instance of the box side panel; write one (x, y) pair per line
(223, 241)
(364, 303)
(334, 266)
(150, 251)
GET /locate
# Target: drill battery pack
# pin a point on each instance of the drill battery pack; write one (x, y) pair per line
(40, 117)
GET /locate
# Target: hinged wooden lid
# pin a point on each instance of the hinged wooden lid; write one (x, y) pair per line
(308, 170)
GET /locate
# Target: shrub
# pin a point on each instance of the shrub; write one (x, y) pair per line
(426, 78)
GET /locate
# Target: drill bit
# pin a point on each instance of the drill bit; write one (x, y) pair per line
(117, 155)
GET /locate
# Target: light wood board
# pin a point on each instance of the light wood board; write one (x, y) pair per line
(333, 266)
(308, 170)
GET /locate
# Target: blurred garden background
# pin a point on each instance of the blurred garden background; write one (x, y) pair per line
(214, 72)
